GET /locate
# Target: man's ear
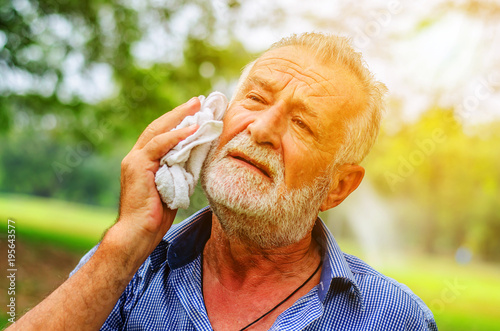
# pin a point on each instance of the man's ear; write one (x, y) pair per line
(346, 179)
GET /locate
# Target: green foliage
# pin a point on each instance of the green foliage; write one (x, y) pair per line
(59, 141)
(38, 165)
(445, 181)
(50, 44)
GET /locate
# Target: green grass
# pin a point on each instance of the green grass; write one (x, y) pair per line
(73, 225)
(461, 297)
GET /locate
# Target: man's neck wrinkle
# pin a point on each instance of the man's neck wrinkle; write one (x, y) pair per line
(235, 264)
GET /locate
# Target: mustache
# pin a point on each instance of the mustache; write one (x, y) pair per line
(265, 156)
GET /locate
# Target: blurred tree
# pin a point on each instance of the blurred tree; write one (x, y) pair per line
(100, 67)
(446, 182)
(79, 81)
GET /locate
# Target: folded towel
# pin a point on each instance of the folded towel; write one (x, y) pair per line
(180, 167)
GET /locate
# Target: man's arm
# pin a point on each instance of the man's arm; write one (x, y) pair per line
(85, 300)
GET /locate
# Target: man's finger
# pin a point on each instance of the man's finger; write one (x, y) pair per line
(168, 121)
(162, 143)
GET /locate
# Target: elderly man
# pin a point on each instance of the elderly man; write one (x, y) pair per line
(303, 117)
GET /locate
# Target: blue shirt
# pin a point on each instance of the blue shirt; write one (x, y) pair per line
(165, 293)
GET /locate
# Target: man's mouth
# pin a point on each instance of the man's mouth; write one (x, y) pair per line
(242, 158)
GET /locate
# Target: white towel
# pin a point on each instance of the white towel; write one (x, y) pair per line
(180, 167)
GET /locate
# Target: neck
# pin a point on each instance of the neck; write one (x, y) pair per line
(236, 263)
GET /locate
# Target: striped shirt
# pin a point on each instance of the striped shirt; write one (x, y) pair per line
(165, 293)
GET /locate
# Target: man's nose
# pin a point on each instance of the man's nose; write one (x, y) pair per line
(269, 126)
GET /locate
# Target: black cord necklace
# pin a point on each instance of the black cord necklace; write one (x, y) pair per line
(275, 307)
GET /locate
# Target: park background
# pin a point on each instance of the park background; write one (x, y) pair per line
(80, 80)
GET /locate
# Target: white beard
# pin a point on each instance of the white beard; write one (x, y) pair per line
(251, 207)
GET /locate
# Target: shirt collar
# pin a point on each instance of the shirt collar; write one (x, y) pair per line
(184, 242)
(336, 274)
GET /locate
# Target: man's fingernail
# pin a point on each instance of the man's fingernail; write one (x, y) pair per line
(192, 101)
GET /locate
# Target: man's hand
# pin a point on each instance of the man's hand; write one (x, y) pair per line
(84, 301)
(142, 212)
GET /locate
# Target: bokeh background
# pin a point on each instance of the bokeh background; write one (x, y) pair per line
(79, 81)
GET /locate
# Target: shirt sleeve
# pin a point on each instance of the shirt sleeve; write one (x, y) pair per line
(118, 315)
(428, 317)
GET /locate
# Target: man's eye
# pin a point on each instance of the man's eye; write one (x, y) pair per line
(302, 125)
(255, 98)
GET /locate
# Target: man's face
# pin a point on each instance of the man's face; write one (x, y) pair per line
(281, 133)
(296, 106)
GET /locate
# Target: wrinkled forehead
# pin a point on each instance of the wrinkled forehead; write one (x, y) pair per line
(304, 65)
(294, 62)
(324, 84)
